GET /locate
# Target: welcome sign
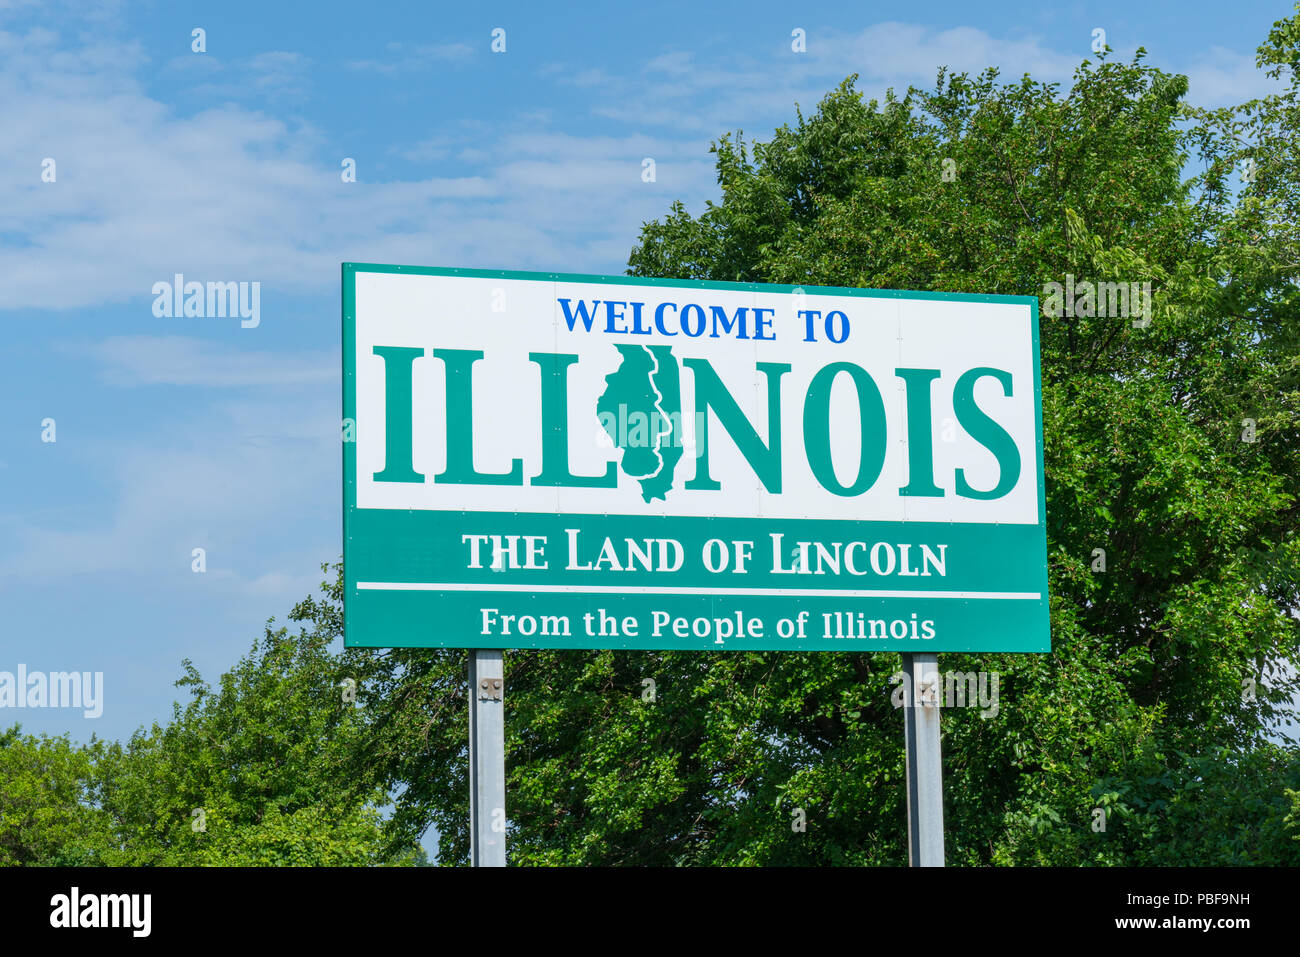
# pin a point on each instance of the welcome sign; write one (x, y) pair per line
(567, 461)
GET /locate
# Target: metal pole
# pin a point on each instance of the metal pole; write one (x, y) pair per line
(487, 759)
(924, 761)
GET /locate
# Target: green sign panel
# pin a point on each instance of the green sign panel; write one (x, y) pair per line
(567, 461)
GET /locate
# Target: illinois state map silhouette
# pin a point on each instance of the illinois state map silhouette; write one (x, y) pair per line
(641, 411)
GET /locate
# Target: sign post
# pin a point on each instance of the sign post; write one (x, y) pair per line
(544, 460)
(487, 758)
(924, 761)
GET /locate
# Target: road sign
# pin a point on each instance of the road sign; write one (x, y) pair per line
(567, 461)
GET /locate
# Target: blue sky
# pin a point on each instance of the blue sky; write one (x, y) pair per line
(174, 434)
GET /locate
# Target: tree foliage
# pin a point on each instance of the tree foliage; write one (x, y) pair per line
(252, 772)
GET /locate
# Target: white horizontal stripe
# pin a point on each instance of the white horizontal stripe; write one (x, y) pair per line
(691, 590)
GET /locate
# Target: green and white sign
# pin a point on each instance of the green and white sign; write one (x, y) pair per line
(566, 461)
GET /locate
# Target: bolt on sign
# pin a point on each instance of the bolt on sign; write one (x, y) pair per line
(566, 461)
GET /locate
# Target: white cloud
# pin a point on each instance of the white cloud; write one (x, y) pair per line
(233, 194)
(903, 53)
(178, 360)
(217, 478)
(273, 76)
(1221, 76)
(684, 90)
(409, 58)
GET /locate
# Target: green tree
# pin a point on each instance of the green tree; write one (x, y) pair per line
(46, 813)
(253, 772)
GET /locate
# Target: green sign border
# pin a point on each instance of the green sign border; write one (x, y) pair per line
(349, 271)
